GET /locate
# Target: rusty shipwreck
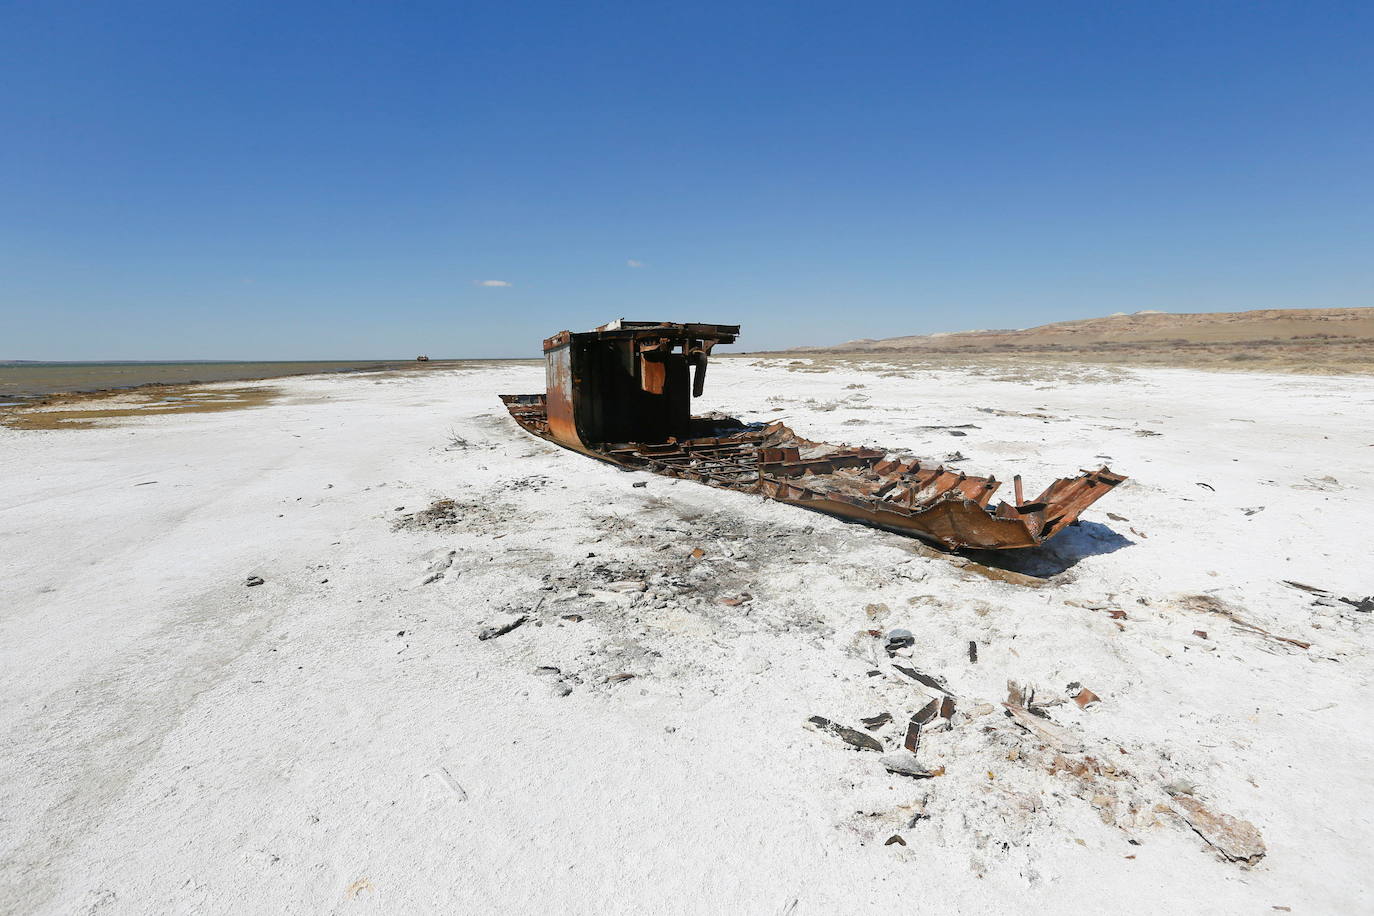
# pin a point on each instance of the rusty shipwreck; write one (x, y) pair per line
(622, 393)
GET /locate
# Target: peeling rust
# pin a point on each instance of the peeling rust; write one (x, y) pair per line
(622, 393)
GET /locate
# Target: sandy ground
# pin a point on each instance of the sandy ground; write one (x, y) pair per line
(337, 739)
(1323, 341)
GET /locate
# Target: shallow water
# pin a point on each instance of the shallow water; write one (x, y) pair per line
(28, 380)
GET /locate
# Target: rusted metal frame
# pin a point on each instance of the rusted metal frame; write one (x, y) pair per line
(708, 466)
(829, 464)
(725, 453)
(719, 460)
(700, 474)
(676, 463)
(978, 489)
(692, 451)
(937, 485)
(741, 461)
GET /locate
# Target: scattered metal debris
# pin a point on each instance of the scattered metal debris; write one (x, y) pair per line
(930, 681)
(1365, 605)
(906, 765)
(851, 736)
(927, 713)
(1085, 698)
(621, 393)
(912, 741)
(922, 718)
(873, 723)
(899, 639)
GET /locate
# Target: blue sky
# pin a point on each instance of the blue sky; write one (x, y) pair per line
(300, 181)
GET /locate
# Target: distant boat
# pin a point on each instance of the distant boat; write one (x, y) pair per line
(422, 359)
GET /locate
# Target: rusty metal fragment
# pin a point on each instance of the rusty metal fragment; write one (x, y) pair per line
(622, 393)
(1085, 698)
(906, 765)
(873, 723)
(912, 741)
(851, 736)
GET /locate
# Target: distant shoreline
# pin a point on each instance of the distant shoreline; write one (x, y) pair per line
(29, 381)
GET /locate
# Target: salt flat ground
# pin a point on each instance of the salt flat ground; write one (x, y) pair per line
(338, 740)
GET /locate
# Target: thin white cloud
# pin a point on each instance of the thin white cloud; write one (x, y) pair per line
(492, 283)
(633, 263)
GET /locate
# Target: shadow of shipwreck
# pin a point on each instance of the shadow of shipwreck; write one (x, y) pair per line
(1074, 543)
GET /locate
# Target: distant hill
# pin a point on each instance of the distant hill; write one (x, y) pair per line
(1233, 331)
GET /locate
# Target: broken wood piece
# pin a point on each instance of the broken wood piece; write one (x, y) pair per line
(1237, 840)
(1085, 698)
(1051, 734)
